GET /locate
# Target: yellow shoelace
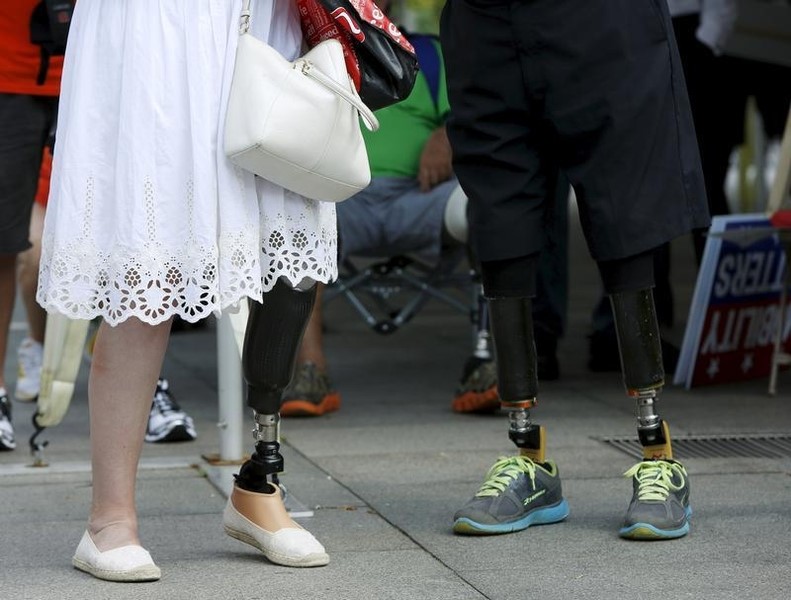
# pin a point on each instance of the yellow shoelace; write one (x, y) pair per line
(655, 479)
(503, 472)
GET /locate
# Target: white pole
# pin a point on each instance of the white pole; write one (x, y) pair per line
(229, 383)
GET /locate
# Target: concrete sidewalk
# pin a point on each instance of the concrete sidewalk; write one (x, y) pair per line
(385, 474)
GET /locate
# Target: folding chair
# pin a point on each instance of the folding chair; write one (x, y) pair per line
(387, 293)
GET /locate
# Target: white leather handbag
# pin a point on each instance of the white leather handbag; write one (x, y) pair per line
(297, 124)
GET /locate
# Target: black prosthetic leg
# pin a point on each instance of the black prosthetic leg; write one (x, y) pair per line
(517, 372)
(523, 490)
(640, 347)
(629, 284)
(509, 285)
(272, 339)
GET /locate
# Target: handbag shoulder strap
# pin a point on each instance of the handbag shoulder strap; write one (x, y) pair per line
(368, 117)
(244, 18)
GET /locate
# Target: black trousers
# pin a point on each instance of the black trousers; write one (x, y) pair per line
(592, 88)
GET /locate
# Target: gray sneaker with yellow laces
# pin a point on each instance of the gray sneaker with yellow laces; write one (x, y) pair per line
(659, 509)
(517, 493)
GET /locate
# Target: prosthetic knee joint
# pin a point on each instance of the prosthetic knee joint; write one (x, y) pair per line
(274, 332)
(517, 375)
(640, 348)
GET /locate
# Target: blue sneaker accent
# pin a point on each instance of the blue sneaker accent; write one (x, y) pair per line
(542, 516)
(645, 531)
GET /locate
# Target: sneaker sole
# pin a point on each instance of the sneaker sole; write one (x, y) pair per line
(477, 402)
(541, 516)
(178, 434)
(646, 531)
(306, 408)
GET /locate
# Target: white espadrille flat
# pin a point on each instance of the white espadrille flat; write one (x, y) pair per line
(287, 544)
(127, 563)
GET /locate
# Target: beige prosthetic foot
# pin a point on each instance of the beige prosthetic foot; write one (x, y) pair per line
(261, 520)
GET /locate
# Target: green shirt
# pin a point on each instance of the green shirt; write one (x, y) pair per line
(394, 150)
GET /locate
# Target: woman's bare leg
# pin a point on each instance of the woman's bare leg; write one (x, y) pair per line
(126, 363)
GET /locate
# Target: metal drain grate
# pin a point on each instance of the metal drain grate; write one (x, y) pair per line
(714, 446)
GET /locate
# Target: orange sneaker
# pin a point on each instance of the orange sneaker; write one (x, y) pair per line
(477, 391)
(310, 394)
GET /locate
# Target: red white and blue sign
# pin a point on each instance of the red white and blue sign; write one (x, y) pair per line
(735, 313)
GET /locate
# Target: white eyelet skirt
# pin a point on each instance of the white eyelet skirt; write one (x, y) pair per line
(146, 216)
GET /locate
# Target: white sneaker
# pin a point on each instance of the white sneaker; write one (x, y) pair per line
(30, 355)
(166, 421)
(7, 441)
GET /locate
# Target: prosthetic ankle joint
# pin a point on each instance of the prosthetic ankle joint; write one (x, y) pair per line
(263, 467)
(528, 437)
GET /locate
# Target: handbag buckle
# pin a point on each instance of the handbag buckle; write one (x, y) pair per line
(303, 65)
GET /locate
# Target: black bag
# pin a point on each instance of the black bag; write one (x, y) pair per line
(49, 28)
(380, 60)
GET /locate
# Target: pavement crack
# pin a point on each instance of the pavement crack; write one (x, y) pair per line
(370, 507)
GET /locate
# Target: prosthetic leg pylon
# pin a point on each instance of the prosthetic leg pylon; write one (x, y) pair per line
(272, 339)
(640, 347)
(517, 372)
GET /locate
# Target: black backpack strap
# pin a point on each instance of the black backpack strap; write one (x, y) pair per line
(49, 27)
(43, 67)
